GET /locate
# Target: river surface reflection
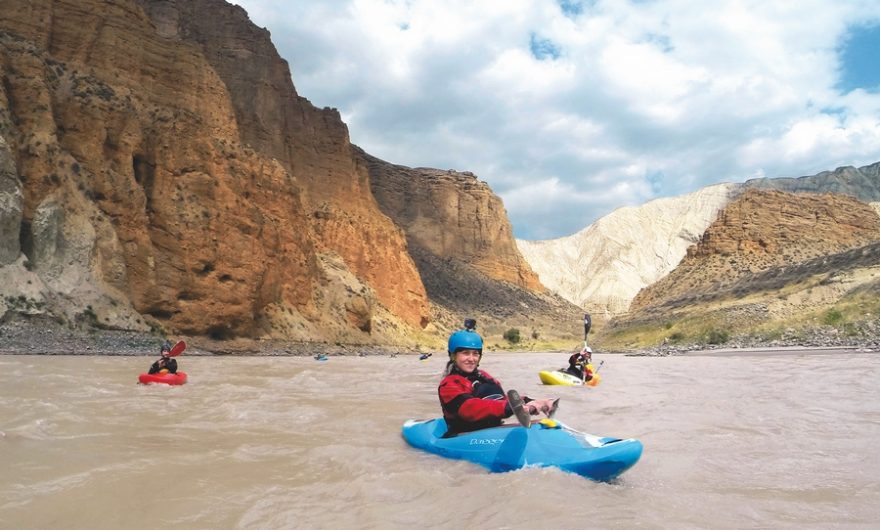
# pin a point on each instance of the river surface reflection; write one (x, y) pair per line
(770, 440)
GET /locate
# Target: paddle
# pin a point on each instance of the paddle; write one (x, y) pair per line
(553, 408)
(518, 406)
(588, 323)
(595, 379)
(177, 349)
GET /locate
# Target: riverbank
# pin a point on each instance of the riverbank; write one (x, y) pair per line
(43, 336)
(46, 337)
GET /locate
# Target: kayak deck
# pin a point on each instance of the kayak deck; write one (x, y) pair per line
(510, 447)
(556, 377)
(178, 378)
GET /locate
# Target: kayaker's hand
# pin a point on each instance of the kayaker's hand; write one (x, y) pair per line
(538, 406)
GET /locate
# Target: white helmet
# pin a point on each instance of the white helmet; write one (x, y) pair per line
(588, 350)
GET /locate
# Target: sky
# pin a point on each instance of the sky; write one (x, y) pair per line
(571, 109)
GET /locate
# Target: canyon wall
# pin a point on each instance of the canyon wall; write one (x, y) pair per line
(161, 171)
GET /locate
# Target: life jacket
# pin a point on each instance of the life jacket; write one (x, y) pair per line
(483, 395)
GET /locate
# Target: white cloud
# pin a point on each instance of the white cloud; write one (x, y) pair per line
(644, 100)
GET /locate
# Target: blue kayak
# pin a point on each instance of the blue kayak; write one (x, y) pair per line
(548, 443)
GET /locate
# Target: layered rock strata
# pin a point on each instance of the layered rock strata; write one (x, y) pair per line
(159, 188)
(474, 227)
(471, 266)
(762, 231)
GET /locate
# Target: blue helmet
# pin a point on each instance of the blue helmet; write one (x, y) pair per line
(465, 340)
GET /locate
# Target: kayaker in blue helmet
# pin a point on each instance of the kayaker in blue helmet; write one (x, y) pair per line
(167, 364)
(472, 399)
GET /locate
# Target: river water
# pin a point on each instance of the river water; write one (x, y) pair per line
(769, 440)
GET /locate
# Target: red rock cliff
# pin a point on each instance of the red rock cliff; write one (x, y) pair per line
(475, 229)
(168, 168)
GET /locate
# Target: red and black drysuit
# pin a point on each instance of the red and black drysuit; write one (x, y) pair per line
(472, 401)
(577, 365)
(169, 363)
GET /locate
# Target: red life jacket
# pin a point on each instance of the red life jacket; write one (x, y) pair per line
(472, 401)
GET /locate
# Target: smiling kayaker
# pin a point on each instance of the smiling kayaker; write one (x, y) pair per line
(472, 399)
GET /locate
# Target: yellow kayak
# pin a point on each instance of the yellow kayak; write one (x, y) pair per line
(558, 377)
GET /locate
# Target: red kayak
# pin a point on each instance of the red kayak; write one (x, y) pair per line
(169, 379)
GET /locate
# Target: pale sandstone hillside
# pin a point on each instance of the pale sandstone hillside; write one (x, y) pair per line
(603, 267)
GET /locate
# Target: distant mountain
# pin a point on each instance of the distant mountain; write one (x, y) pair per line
(759, 231)
(803, 268)
(604, 266)
(862, 183)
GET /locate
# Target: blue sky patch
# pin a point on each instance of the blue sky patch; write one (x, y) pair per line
(656, 179)
(571, 8)
(543, 48)
(859, 66)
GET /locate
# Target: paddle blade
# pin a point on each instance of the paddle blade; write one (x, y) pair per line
(519, 410)
(553, 408)
(177, 349)
(595, 380)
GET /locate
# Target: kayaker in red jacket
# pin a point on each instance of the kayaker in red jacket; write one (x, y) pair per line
(579, 364)
(472, 399)
(166, 364)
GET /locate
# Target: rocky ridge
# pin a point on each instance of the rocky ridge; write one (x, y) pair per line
(762, 231)
(603, 267)
(472, 266)
(754, 281)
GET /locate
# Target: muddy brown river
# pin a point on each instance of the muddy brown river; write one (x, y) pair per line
(764, 440)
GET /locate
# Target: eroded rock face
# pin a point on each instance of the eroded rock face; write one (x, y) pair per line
(311, 144)
(762, 230)
(474, 226)
(10, 206)
(148, 181)
(461, 240)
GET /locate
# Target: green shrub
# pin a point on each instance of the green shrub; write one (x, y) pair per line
(717, 336)
(833, 317)
(511, 335)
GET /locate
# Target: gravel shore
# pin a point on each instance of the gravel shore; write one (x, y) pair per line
(43, 336)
